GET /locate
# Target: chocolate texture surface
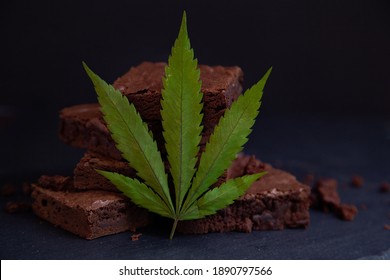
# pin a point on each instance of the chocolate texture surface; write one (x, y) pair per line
(90, 214)
(83, 126)
(276, 201)
(142, 86)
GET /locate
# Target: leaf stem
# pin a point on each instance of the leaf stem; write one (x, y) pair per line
(173, 228)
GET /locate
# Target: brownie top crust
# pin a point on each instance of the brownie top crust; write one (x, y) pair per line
(142, 85)
(83, 112)
(276, 201)
(148, 77)
(274, 181)
(83, 126)
(90, 200)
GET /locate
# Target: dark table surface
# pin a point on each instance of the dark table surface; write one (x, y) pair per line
(336, 147)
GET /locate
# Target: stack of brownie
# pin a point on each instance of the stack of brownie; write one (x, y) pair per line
(90, 206)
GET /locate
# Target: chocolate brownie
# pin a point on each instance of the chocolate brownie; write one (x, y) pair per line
(82, 126)
(142, 86)
(86, 177)
(89, 214)
(276, 201)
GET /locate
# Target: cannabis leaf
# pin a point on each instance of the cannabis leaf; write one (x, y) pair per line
(132, 137)
(181, 113)
(227, 140)
(181, 120)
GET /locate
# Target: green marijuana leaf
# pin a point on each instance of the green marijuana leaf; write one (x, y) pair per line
(132, 137)
(181, 120)
(227, 140)
(181, 114)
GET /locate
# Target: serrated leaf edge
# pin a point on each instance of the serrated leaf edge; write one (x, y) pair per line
(159, 185)
(199, 186)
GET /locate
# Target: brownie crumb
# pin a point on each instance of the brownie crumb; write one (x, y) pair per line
(325, 197)
(136, 236)
(246, 165)
(386, 226)
(17, 207)
(56, 182)
(357, 181)
(7, 189)
(254, 166)
(346, 212)
(384, 187)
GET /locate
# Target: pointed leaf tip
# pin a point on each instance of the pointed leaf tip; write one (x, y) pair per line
(183, 26)
(85, 66)
(184, 18)
(268, 73)
(89, 72)
(264, 79)
(181, 112)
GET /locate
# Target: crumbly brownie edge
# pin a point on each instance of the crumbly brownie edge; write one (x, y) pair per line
(274, 202)
(142, 85)
(81, 127)
(86, 177)
(90, 221)
(90, 132)
(264, 211)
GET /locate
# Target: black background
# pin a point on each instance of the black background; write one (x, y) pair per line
(330, 58)
(325, 109)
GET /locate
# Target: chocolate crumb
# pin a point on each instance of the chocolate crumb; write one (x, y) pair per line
(254, 166)
(17, 207)
(136, 236)
(386, 226)
(8, 189)
(384, 187)
(357, 181)
(56, 182)
(347, 212)
(325, 197)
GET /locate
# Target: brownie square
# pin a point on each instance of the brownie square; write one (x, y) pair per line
(89, 214)
(142, 85)
(274, 202)
(82, 126)
(86, 177)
